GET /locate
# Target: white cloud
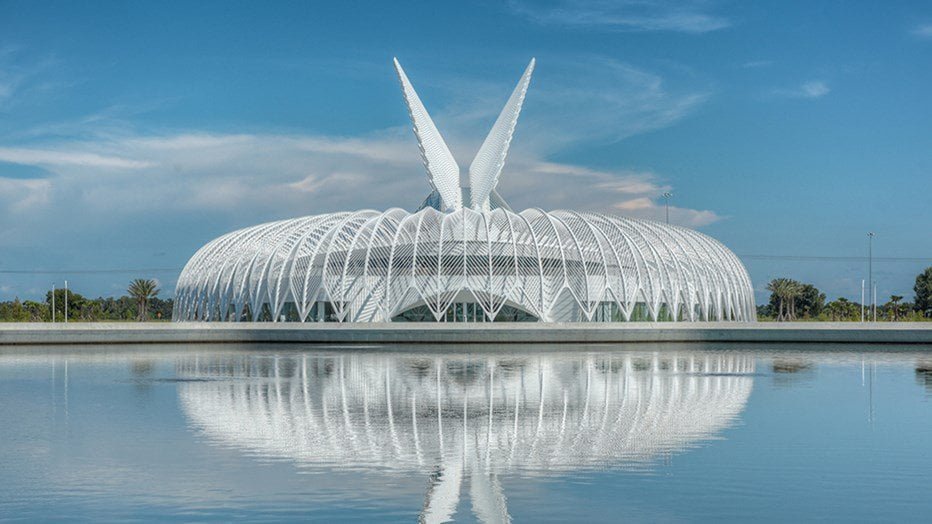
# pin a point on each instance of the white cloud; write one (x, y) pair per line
(619, 101)
(21, 195)
(573, 99)
(261, 175)
(756, 64)
(625, 15)
(52, 157)
(531, 182)
(19, 76)
(110, 194)
(107, 174)
(814, 89)
(6, 89)
(635, 204)
(651, 208)
(8, 85)
(923, 31)
(810, 89)
(266, 176)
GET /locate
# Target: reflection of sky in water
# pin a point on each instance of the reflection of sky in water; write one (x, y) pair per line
(587, 434)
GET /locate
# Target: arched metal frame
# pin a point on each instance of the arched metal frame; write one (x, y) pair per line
(461, 422)
(398, 414)
(559, 266)
(464, 245)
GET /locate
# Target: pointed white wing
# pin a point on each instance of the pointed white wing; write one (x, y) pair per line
(487, 166)
(442, 169)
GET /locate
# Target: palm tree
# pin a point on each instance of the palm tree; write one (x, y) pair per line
(840, 309)
(895, 305)
(776, 287)
(787, 291)
(794, 290)
(142, 290)
(779, 287)
(844, 307)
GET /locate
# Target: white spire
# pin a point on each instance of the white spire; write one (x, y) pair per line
(487, 166)
(442, 169)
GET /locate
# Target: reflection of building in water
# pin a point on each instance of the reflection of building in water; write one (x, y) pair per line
(463, 420)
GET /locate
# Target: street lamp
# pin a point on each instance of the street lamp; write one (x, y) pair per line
(666, 204)
(870, 274)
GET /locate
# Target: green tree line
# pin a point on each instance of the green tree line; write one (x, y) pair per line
(140, 303)
(793, 300)
(789, 300)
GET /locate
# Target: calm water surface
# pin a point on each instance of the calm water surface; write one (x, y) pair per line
(593, 433)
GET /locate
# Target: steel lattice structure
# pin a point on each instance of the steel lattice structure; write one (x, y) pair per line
(464, 256)
(463, 423)
(551, 410)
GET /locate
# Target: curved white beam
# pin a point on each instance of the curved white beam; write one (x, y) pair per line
(442, 169)
(558, 266)
(487, 166)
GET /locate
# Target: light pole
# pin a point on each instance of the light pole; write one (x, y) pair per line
(666, 204)
(870, 271)
(862, 300)
(66, 302)
(53, 303)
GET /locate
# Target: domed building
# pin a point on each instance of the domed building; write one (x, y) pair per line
(464, 256)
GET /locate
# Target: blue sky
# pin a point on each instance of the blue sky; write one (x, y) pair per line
(132, 133)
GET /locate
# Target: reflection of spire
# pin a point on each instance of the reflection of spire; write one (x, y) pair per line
(443, 493)
(485, 491)
(460, 420)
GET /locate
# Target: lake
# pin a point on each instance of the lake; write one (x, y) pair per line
(489, 434)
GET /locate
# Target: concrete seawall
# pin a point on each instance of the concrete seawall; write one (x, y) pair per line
(445, 333)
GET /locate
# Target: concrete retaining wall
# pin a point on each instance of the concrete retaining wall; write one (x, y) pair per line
(447, 333)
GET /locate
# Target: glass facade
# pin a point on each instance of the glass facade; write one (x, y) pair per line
(465, 312)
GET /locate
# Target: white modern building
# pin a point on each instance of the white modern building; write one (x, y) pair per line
(464, 256)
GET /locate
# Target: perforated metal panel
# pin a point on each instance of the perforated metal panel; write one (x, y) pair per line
(442, 170)
(490, 160)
